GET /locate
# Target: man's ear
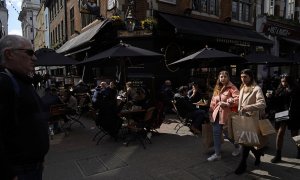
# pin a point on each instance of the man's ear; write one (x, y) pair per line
(7, 54)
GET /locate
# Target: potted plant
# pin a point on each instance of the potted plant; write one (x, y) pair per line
(148, 23)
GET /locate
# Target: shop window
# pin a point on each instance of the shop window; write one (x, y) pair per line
(241, 10)
(206, 6)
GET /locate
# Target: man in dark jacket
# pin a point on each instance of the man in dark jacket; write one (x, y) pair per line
(24, 139)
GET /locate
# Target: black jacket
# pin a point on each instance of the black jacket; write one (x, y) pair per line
(23, 125)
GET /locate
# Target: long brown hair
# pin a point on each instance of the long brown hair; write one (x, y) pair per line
(219, 85)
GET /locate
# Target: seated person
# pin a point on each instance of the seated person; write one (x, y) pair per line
(194, 94)
(81, 88)
(141, 98)
(51, 98)
(70, 101)
(186, 109)
(130, 91)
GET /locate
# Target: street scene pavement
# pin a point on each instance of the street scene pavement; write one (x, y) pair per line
(171, 156)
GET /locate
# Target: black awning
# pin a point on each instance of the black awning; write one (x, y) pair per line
(264, 58)
(82, 38)
(187, 25)
(294, 41)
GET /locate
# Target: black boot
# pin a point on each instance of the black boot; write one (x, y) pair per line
(257, 153)
(243, 164)
(277, 158)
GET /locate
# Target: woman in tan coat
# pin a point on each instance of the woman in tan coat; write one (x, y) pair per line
(251, 103)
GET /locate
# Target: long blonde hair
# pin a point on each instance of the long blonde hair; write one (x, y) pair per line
(219, 85)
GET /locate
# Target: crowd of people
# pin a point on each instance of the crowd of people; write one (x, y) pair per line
(24, 116)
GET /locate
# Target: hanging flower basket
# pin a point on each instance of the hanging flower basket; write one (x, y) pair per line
(118, 22)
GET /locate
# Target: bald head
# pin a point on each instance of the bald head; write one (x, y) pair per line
(17, 54)
(10, 41)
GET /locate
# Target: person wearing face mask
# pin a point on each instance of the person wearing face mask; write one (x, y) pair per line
(225, 96)
(24, 139)
(251, 103)
(286, 97)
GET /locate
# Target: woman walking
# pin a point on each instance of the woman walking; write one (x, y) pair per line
(286, 97)
(251, 103)
(225, 96)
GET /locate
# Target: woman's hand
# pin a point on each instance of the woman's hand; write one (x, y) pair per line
(224, 104)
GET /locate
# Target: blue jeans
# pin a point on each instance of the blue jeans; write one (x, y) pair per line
(36, 174)
(217, 134)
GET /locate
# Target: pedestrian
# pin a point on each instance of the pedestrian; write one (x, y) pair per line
(24, 139)
(251, 103)
(225, 97)
(286, 97)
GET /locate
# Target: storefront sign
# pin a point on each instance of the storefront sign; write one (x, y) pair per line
(278, 31)
(233, 41)
(168, 1)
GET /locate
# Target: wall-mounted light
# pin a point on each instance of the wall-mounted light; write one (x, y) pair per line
(130, 20)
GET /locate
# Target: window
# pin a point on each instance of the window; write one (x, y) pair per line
(206, 6)
(72, 20)
(62, 29)
(86, 19)
(290, 9)
(59, 37)
(46, 21)
(241, 10)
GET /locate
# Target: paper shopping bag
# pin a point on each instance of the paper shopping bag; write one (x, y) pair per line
(207, 136)
(266, 128)
(246, 130)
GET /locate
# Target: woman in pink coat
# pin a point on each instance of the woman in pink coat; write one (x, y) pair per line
(225, 97)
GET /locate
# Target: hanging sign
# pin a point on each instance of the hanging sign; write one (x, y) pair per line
(111, 4)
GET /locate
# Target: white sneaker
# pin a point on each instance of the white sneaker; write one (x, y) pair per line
(214, 157)
(236, 151)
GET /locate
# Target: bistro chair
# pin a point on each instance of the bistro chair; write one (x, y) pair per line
(183, 121)
(56, 117)
(140, 128)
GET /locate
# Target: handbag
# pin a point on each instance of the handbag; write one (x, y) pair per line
(246, 130)
(265, 126)
(282, 116)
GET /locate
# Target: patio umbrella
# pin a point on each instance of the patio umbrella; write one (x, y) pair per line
(120, 55)
(264, 58)
(48, 57)
(121, 51)
(208, 56)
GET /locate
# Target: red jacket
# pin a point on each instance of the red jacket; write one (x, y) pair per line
(229, 95)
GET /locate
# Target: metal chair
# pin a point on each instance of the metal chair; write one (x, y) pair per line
(183, 121)
(140, 128)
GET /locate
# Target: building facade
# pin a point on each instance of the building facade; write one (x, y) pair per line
(3, 18)
(174, 28)
(27, 16)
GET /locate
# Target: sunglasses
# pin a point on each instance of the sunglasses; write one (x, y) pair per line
(29, 52)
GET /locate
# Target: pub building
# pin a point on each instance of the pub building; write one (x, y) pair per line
(181, 28)
(286, 40)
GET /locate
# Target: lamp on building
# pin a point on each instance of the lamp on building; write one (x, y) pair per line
(130, 20)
